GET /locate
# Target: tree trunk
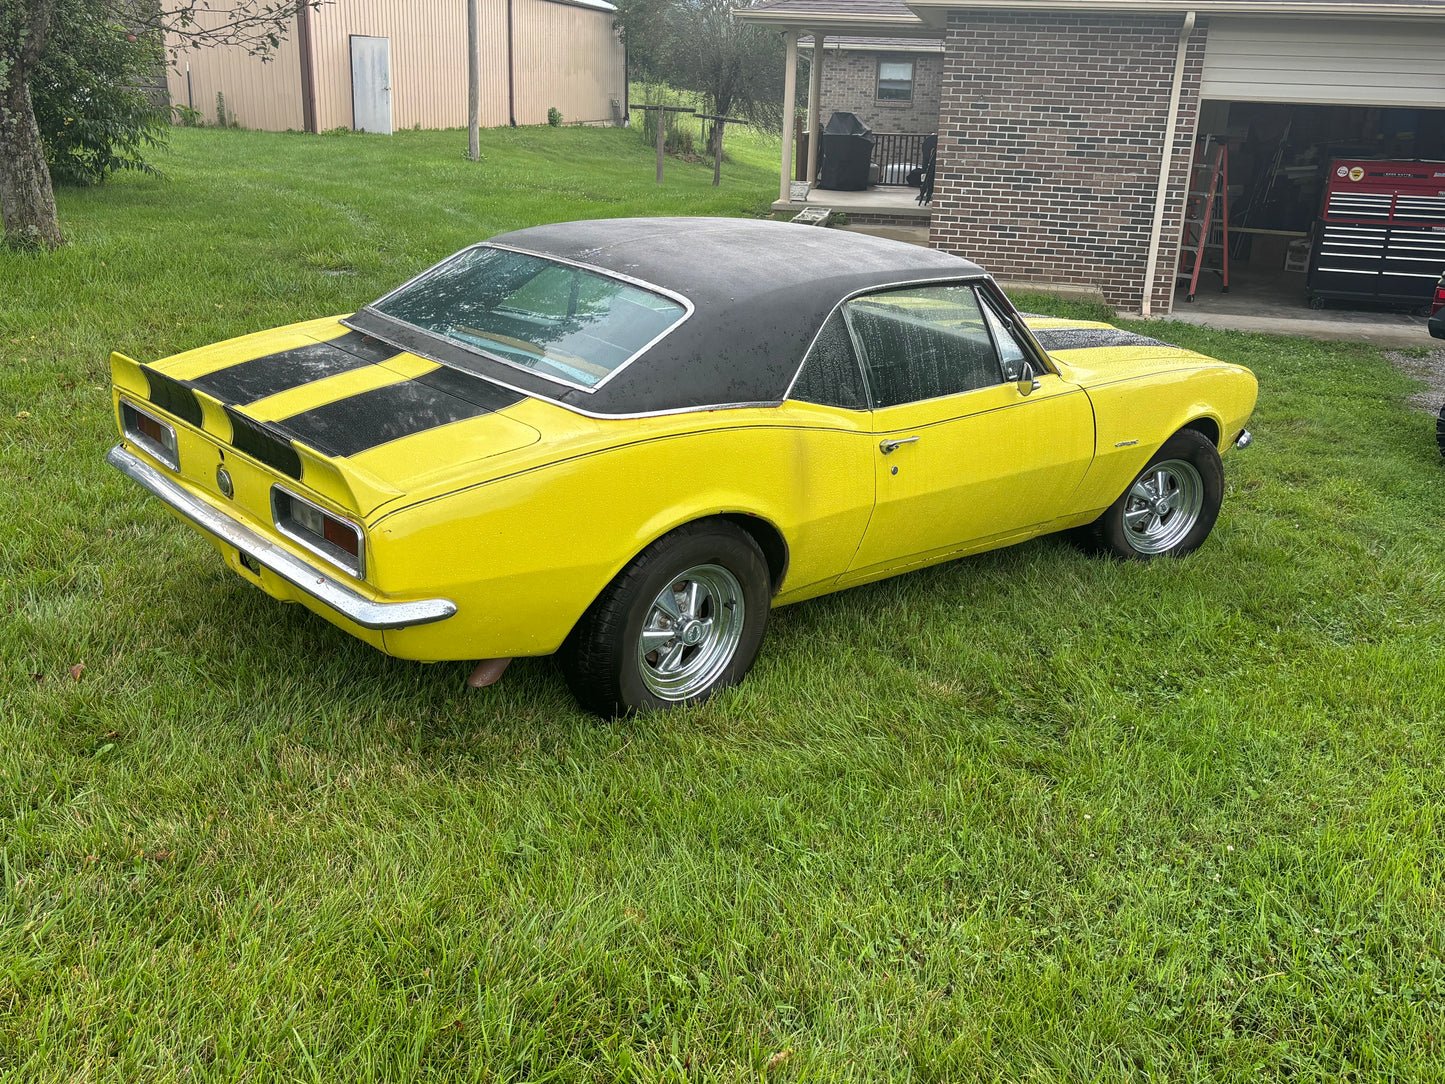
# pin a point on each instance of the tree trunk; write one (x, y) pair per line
(27, 201)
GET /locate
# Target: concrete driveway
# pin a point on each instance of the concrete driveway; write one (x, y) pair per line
(1276, 303)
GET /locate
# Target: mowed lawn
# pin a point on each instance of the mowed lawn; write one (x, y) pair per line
(1028, 816)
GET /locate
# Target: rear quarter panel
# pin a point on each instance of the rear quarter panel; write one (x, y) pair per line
(525, 553)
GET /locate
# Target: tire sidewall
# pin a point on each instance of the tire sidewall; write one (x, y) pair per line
(1195, 449)
(720, 545)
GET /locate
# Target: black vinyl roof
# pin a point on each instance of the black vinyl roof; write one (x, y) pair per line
(760, 291)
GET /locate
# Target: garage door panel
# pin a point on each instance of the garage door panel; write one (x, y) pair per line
(1307, 61)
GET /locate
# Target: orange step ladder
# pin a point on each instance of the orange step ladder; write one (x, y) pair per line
(1206, 216)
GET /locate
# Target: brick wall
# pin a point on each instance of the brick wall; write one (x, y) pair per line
(850, 84)
(1050, 145)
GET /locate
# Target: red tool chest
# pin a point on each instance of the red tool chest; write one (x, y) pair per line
(1381, 233)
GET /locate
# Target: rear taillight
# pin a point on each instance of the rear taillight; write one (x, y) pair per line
(150, 433)
(323, 533)
(1439, 302)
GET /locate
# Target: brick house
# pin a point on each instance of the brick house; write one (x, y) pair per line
(894, 84)
(1067, 128)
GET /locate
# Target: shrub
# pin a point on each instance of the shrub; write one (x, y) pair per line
(92, 104)
(554, 117)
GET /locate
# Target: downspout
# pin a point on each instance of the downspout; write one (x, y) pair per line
(308, 69)
(1155, 235)
(511, 72)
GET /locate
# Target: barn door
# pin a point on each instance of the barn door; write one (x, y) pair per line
(371, 84)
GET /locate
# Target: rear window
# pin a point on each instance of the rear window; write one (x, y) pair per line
(557, 320)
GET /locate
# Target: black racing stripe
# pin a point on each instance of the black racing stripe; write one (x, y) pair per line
(376, 417)
(257, 441)
(172, 395)
(1089, 338)
(472, 389)
(248, 381)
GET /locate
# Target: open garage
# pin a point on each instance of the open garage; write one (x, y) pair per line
(1299, 106)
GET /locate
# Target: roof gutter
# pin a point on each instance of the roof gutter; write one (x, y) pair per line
(1151, 265)
(935, 12)
(1165, 165)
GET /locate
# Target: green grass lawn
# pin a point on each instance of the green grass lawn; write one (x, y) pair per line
(1028, 816)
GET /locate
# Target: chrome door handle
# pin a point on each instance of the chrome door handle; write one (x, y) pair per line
(889, 446)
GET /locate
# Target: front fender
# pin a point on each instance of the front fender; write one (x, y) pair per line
(1134, 417)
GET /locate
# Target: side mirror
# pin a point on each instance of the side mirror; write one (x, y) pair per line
(1027, 383)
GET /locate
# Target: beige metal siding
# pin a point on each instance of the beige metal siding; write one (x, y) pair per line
(568, 58)
(258, 95)
(428, 60)
(1326, 63)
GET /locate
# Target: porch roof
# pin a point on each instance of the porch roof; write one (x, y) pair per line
(852, 43)
(925, 18)
(889, 18)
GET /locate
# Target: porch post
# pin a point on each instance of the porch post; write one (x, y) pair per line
(790, 108)
(815, 91)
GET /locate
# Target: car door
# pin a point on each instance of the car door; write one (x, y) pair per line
(975, 438)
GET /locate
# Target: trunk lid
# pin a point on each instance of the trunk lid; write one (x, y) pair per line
(333, 411)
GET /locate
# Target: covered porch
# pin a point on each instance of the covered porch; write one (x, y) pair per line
(879, 205)
(891, 25)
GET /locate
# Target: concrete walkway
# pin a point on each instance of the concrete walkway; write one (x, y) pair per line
(1276, 303)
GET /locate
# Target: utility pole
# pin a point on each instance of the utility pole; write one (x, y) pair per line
(474, 84)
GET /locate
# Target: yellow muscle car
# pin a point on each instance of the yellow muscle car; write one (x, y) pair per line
(624, 441)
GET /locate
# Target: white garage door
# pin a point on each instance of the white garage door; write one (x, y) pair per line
(1326, 63)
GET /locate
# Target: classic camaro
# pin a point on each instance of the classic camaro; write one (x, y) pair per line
(623, 441)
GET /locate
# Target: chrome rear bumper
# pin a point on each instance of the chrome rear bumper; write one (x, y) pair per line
(346, 601)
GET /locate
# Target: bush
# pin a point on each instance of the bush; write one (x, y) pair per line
(554, 117)
(92, 104)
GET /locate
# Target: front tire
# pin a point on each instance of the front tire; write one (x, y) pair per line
(683, 620)
(1169, 509)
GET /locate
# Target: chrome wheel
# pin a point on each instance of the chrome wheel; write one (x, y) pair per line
(691, 632)
(1162, 506)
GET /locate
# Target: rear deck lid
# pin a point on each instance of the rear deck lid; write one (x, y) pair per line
(334, 408)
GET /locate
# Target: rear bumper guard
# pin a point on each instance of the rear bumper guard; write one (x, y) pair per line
(346, 601)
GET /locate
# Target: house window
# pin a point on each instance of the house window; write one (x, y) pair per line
(895, 80)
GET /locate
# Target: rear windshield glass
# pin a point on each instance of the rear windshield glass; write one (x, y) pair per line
(559, 321)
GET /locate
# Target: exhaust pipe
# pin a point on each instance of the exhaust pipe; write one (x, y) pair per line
(487, 672)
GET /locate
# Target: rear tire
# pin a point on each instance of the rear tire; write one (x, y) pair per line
(683, 620)
(1440, 431)
(1169, 509)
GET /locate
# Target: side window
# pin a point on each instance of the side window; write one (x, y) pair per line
(895, 80)
(830, 375)
(924, 342)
